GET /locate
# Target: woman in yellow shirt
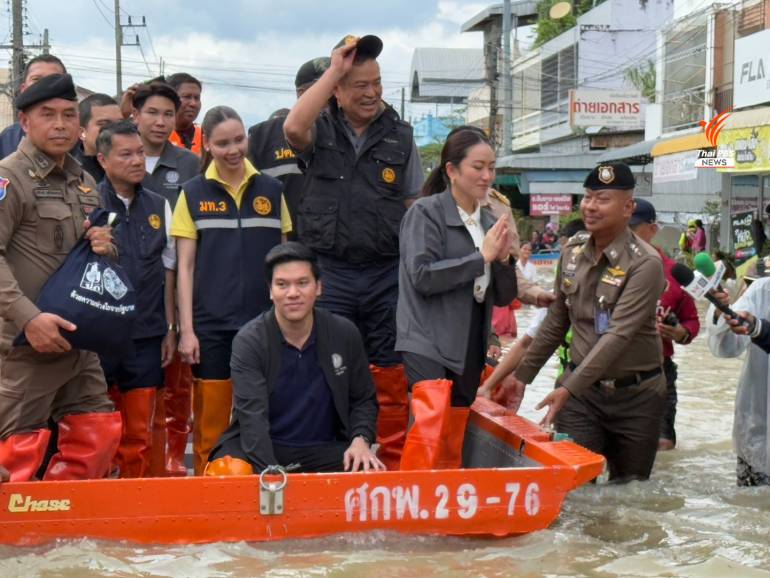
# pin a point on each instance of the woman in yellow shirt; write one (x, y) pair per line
(225, 222)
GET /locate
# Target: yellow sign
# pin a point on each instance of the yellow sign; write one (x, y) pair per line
(154, 221)
(263, 206)
(389, 175)
(19, 504)
(750, 146)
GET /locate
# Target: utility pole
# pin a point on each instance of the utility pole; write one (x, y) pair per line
(17, 47)
(403, 101)
(491, 59)
(505, 149)
(118, 56)
(17, 44)
(120, 43)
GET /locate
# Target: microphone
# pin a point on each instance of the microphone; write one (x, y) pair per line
(698, 286)
(707, 267)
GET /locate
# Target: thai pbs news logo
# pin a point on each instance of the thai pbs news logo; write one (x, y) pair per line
(715, 157)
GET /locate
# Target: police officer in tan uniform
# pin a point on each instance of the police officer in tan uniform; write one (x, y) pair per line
(607, 288)
(45, 198)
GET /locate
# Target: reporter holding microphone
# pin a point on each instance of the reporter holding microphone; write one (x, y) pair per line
(728, 337)
(454, 265)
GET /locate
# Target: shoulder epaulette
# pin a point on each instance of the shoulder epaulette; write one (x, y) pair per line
(579, 238)
(500, 197)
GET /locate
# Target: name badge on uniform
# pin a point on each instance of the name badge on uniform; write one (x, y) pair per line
(610, 280)
(46, 192)
(601, 317)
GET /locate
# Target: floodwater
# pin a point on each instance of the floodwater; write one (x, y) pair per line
(690, 520)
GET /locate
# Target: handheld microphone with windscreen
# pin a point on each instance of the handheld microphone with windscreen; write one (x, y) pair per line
(698, 285)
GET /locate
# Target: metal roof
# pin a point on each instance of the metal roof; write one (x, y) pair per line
(636, 154)
(549, 161)
(446, 74)
(524, 10)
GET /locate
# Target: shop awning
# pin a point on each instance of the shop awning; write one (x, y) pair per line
(568, 182)
(680, 144)
(635, 154)
(507, 180)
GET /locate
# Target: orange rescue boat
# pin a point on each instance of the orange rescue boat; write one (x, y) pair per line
(514, 481)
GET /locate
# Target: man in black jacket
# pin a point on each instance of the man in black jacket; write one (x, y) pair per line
(303, 396)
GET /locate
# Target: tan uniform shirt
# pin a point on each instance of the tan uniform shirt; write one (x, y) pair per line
(621, 284)
(499, 205)
(41, 217)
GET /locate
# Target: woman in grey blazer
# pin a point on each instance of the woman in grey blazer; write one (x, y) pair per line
(454, 266)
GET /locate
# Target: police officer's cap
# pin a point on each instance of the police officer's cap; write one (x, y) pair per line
(610, 176)
(311, 71)
(47, 88)
(368, 46)
(644, 213)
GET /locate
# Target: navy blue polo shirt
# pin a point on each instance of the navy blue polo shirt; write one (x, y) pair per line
(301, 405)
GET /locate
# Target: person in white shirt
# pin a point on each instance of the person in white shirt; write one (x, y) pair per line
(751, 425)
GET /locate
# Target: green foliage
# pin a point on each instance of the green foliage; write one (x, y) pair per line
(566, 218)
(546, 28)
(642, 78)
(431, 155)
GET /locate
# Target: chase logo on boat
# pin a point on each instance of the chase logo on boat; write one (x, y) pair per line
(18, 504)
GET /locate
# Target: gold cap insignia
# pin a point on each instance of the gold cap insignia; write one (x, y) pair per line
(263, 206)
(606, 175)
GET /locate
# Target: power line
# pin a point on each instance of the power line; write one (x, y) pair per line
(103, 15)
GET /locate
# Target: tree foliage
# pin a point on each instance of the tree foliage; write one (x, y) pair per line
(546, 28)
(643, 78)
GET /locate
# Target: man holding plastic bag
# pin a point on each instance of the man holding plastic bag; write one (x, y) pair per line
(45, 200)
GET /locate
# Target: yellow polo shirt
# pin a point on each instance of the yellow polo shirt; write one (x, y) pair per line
(182, 224)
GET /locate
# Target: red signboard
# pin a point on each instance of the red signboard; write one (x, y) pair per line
(540, 205)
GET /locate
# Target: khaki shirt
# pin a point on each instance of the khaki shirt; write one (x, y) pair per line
(41, 217)
(626, 280)
(499, 205)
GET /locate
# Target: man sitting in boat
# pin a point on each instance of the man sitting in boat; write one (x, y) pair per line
(303, 397)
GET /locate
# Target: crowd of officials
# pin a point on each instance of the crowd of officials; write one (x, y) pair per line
(296, 280)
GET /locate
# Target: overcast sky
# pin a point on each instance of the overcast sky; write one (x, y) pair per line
(246, 52)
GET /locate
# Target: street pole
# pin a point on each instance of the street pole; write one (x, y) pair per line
(505, 149)
(403, 99)
(118, 45)
(17, 44)
(46, 44)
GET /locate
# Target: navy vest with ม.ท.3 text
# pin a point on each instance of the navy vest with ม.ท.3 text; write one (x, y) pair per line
(141, 237)
(230, 287)
(352, 205)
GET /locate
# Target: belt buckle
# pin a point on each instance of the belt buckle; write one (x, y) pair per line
(607, 383)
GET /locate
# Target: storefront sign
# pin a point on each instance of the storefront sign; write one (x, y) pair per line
(605, 108)
(674, 168)
(540, 205)
(751, 71)
(743, 240)
(750, 147)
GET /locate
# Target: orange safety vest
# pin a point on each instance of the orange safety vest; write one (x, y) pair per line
(197, 144)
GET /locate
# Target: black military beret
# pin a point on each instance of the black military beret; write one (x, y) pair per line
(610, 176)
(368, 46)
(48, 87)
(311, 70)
